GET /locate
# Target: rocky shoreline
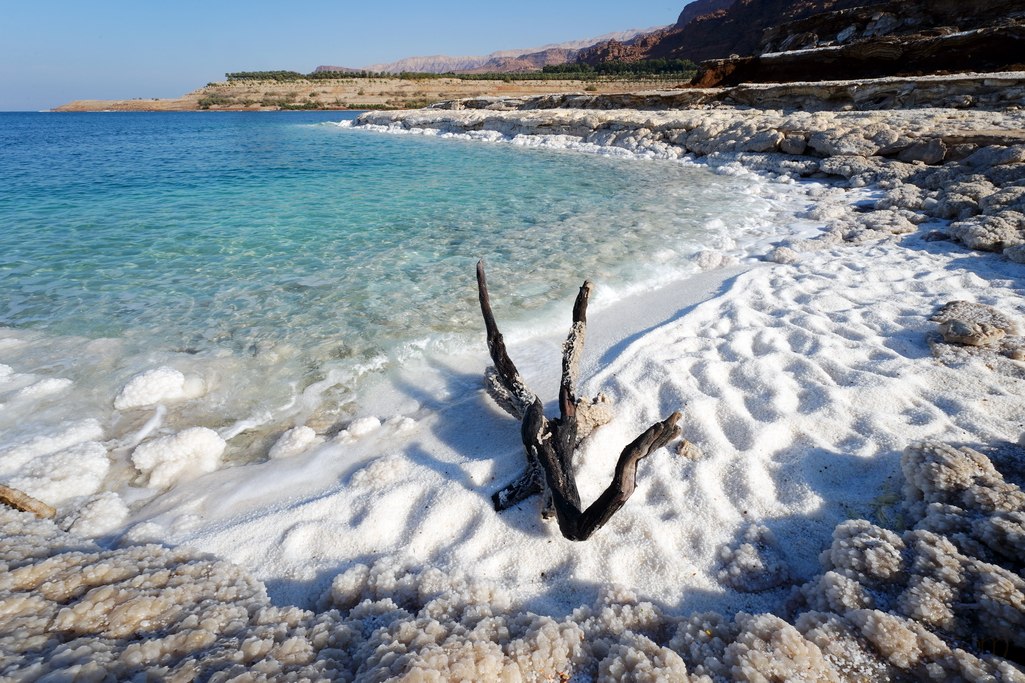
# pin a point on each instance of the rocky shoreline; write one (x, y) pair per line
(963, 162)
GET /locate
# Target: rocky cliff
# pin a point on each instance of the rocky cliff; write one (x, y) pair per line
(700, 8)
(905, 37)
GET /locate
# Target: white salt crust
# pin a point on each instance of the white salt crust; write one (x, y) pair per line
(186, 454)
(918, 605)
(162, 384)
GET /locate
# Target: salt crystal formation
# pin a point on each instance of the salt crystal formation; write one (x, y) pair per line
(156, 386)
(970, 330)
(943, 601)
(756, 564)
(188, 453)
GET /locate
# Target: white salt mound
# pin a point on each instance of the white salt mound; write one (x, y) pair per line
(56, 478)
(98, 515)
(44, 387)
(186, 454)
(363, 426)
(293, 442)
(156, 386)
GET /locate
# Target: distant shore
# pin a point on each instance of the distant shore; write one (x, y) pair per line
(353, 94)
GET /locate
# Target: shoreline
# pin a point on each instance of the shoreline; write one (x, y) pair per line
(818, 361)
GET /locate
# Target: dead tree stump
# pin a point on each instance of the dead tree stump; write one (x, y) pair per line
(550, 443)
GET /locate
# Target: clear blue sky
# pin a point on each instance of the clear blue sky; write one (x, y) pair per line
(54, 51)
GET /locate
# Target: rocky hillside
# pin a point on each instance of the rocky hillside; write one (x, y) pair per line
(700, 8)
(848, 39)
(896, 37)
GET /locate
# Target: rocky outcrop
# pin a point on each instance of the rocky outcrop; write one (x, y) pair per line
(811, 40)
(734, 30)
(700, 8)
(989, 48)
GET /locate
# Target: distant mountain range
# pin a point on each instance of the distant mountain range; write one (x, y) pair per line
(503, 61)
(721, 29)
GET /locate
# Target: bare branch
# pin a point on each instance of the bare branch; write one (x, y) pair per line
(549, 444)
(519, 395)
(19, 500)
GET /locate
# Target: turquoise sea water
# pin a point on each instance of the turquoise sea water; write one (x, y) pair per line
(240, 233)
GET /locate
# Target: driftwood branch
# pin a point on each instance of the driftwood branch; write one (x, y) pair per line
(549, 444)
(19, 500)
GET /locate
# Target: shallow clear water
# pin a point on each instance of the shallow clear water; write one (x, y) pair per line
(311, 246)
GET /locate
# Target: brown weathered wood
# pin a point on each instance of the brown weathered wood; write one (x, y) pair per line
(19, 500)
(519, 396)
(549, 444)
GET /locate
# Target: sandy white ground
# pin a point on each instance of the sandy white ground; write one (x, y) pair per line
(800, 386)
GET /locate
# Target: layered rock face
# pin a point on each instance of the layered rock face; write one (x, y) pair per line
(880, 40)
(700, 8)
(725, 29)
(812, 40)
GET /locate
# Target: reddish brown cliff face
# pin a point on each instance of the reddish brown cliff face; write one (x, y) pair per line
(829, 39)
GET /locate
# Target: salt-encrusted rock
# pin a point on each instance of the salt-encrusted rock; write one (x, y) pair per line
(849, 165)
(293, 442)
(902, 642)
(974, 312)
(769, 649)
(59, 477)
(938, 473)
(1013, 347)
(996, 155)
(101, 514)
(1007, 198)
(887, 608)
(762, 141)
(991, 233)
(973, 324)
(1016, 253)
(793, 143)
(188, 453)
(836, 592)
(701, 640)
(887, 221)
(157, 386)
(832, 143)
(902, 197)
(970, 334)
(784, 256)
(845, 648)
(755, 564)
(929, 151)
(689, 450)
(866, 552)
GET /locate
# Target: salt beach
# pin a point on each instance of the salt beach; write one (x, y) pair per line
(795, 334)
